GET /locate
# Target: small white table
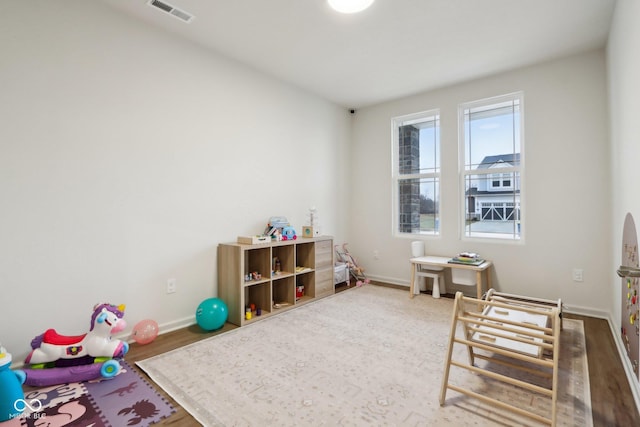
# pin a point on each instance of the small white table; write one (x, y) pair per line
(439, 261)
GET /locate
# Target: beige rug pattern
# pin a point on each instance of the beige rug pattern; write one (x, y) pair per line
(367, 356)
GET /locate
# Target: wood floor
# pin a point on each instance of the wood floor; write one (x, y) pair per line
(611, 398)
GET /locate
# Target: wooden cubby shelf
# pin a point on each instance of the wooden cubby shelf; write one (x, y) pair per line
(274, 277)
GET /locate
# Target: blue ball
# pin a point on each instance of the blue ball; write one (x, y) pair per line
(212, 314)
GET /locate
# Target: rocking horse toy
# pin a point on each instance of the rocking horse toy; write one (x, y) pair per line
(57, 358)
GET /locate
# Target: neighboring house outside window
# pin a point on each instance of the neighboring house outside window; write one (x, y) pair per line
(416, 173)
(495, 198)
(492, 167)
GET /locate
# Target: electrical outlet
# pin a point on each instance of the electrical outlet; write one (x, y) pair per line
(171, 286)
(578, 275)
(376, 255)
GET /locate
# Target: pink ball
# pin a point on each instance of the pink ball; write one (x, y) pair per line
(145, 331)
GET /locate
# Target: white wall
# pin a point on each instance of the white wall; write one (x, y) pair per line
(624, 104)
(624, 98)
(127, 155)
(566, 184)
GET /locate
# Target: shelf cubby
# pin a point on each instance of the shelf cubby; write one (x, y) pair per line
(284, 292)
(257, 261)
(307, 281)
(305, 255)
(286, 258)
(238, 288)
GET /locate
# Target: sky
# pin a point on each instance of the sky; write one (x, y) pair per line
(488, 133)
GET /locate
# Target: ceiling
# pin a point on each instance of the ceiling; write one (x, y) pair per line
(393, 49)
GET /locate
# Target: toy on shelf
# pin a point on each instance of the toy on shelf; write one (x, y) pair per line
(313, 229)
(10, 388)
(57, 359)
(289, 233)
(279, 228)
(254, 275)
(357, 272)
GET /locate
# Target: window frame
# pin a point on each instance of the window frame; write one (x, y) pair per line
(397, 176)
(514, 174)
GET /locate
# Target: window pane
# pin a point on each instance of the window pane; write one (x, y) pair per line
(491, 132)
(491, 213)
(417, 173)
(418, 205)
(419, 146)
(492, 168)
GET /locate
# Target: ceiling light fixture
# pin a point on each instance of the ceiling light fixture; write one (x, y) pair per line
(350, 6)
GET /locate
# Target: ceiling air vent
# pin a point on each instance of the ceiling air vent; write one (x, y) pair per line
(171, 10)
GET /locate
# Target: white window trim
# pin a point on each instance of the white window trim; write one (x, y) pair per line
(396, 177)
(463, 173)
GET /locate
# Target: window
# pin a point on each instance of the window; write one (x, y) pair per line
(416, 173)
(492, 166)
(500, 181)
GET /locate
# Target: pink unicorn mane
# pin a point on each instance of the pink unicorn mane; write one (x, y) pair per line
(98, 309)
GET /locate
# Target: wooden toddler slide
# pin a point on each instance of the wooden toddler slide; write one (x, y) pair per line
(514, 331)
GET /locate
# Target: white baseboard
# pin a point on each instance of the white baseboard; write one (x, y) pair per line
(585, 311)
(615, 332)
(626, 363)
(177, 324)
(164, 328)
(389, 280)
(126, 336)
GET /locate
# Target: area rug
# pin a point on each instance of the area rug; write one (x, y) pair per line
(124, 400)
(366, 356)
